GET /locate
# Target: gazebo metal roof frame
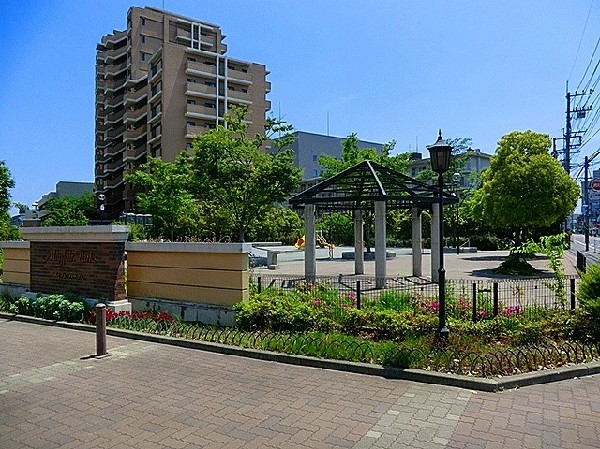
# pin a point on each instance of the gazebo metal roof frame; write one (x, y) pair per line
(359, 186)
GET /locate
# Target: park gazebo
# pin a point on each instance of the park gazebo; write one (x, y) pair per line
(369, 186)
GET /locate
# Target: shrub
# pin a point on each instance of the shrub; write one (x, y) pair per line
(279, 311)
(484, 242)
(51, 307)
(589, 297)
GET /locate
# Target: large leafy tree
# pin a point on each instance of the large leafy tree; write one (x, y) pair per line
(7, 232)
(231, 170)
(74, 210)
(164, 191)
(352, 154)
(524, 187)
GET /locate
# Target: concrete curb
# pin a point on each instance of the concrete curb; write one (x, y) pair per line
(415, 375)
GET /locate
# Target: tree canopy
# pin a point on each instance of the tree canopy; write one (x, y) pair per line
(74, 210)
(232, 171)
(524, 187)
(7, 232)
(352, 154)
(163, 190)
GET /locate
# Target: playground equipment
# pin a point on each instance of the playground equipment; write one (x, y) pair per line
(321, 243)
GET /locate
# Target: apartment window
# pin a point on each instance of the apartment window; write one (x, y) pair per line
(188, 146)
(230, 88)
(210, 105)
(210, 84)
(315, 157)
(191, 102)
(210, 125)
(192, 80)
(315, 173)
(189, 58)
(244, 90)
(154, 70)
(143, 39)
(155, 131)
(190, 123)
(142, 21)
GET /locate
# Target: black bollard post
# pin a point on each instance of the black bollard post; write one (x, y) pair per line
(100, 330)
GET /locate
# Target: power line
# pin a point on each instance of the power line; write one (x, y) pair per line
(581, 38)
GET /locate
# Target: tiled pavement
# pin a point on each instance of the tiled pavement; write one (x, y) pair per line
(147, 395)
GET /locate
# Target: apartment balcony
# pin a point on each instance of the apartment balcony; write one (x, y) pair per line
(100, 156)
(112, 183)
(134, 134)
(132, 116)
(201, 69)
(198, 111)
(115, 102)
(154, 118)
(239, 76)
(114, 70)
(114, 149)
(114, 39)
(113, 134)
(114, 166)
(201, 90)
(101, 143)
(110, 55)
(239, 97)
(133, 97)
(154, 138)
(135, 153)
(192, 131)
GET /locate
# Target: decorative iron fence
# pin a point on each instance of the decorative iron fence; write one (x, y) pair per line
(486, 296)
(505, 362)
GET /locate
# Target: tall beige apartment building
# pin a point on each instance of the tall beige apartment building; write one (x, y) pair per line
(160, 82)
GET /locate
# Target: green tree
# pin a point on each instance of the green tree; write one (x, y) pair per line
(232, 170)
(74, 210)
(164, 192)
(352, 154)
(7, 232)
(524, 187)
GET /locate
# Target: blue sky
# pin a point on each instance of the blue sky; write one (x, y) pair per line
(384, 69)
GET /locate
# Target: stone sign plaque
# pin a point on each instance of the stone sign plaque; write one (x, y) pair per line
(88, 261)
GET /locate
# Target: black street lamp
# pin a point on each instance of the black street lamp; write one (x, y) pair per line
(440, 153)
(101, 199)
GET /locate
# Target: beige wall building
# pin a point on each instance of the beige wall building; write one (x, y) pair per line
(160, 82)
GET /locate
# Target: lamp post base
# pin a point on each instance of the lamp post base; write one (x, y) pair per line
(441, 336)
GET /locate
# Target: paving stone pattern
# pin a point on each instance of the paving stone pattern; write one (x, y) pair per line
(147, 395)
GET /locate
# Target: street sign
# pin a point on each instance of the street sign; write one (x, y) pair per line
(596, 184)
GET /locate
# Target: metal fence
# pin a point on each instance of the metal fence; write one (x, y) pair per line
(482, 298)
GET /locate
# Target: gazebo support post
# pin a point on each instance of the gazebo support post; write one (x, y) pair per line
(380, 249)
(417, 243)
(359, 244)
(310, 245)
(435, 242)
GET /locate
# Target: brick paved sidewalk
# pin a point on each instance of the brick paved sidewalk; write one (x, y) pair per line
(146, 395)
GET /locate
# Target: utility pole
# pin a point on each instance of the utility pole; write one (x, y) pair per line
(569, 134)
(586, 201)
(567, 159)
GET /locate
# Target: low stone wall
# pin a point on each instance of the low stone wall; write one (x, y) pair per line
(195, 281)
(16, 263)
